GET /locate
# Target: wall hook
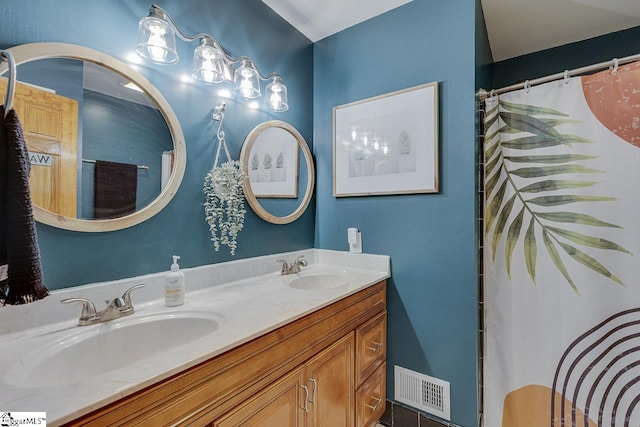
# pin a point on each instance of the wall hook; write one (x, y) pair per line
(218, 116)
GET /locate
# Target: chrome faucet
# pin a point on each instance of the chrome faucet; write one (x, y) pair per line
(294, 267)
(117, 307)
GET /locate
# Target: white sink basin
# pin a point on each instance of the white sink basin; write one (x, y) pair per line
(88, 351)
(316, 280)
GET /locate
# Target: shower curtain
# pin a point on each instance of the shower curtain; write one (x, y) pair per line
(561, 245)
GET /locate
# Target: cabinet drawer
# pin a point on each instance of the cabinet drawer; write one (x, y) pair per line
(371, 346)
(370, 398)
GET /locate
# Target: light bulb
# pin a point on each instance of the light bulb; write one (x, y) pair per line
(245, 86)
(275, 100)
(206, 72)
(157, 47)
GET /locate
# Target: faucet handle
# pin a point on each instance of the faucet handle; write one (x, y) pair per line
(126, 296)
(301, 261)
(88, 308)
(285, 265)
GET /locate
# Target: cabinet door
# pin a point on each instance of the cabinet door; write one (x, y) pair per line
(280, 405)
(330, 378)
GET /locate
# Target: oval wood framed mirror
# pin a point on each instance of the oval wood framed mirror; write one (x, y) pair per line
(280, 172)
(113, 116)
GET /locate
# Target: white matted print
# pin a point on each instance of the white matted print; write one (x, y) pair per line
(387, 144)
(273, 164)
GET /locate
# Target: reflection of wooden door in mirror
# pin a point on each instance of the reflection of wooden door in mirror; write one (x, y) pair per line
(50, 127)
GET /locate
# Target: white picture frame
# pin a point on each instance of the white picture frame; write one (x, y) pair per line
(273, 164)
(387, 144)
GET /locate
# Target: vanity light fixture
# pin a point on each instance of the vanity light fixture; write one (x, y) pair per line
(211, 63)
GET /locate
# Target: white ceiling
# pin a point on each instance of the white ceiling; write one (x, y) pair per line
(318, 19)
(515, 27)
(518, 27)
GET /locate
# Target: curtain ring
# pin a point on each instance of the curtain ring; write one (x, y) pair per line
(527, 86)
(492, 95)
(566, 77)
(615, 66)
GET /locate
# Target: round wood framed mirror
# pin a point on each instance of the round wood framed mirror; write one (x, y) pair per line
(280, 172)
(107, 151)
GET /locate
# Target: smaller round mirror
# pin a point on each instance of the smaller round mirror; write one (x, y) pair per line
(280, 172)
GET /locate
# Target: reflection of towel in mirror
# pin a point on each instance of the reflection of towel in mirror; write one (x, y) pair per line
(115, 189)
(18, 240)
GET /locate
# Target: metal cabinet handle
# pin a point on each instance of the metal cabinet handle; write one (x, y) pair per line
(306, 397)
(376, 346)
(374, 407)
(315, 386)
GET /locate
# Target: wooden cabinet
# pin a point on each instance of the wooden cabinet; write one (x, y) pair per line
(324, 369)
(281, 404)
(330, 375)
(319, 393)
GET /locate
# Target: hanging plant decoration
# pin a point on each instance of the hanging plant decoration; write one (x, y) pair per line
(224, 195)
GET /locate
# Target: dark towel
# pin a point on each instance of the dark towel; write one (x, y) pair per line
(18, 240)
(115, 189)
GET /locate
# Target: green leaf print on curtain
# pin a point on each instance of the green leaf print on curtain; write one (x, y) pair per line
(523, 182)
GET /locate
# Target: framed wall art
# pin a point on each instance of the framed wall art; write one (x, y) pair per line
(273, 161)
(387, 144)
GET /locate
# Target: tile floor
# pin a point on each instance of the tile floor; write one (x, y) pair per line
(396, 415)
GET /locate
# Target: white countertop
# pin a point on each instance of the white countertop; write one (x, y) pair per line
(247, 298)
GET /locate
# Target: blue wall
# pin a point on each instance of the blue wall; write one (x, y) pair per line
(245, 27)
(141, 138)
(432, 291)
(573, 55)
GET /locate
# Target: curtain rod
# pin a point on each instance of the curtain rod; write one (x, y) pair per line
(483, 94)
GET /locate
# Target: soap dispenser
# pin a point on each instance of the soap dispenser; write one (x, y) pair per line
(174, 285)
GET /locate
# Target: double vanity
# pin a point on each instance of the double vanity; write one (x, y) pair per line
(289, 339)
(250, 346)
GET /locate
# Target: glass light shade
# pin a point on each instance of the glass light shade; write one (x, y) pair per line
(156, 41)
(275, 98)
(246, 81)
(208, 63)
